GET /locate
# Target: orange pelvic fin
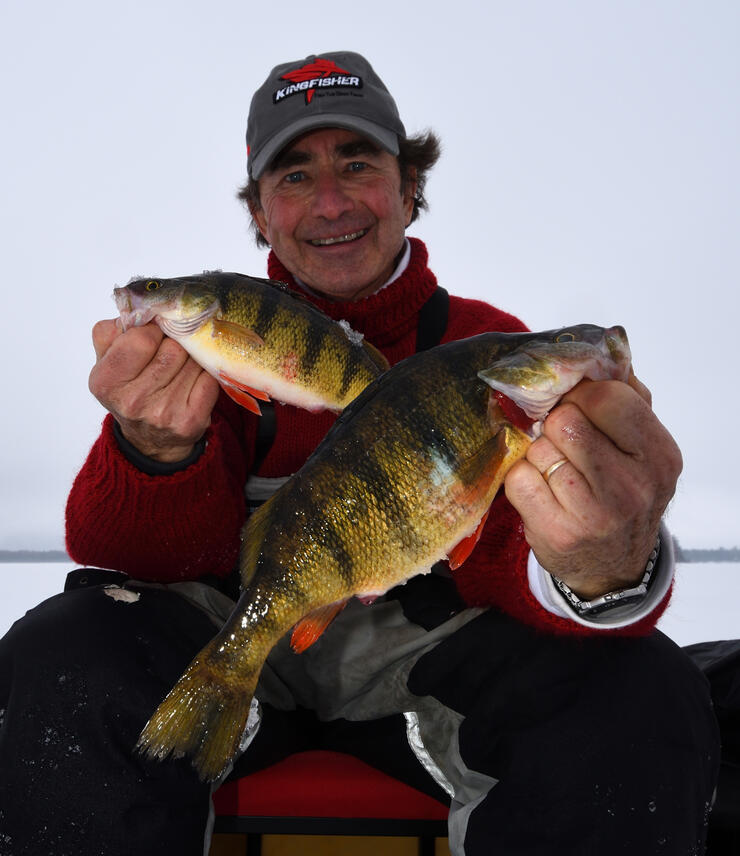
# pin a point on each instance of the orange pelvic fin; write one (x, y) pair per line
(242, 394)
(242, 398)
(308, 629)
(232, 381)
(235, 333)
(482, 475)
(461, 551)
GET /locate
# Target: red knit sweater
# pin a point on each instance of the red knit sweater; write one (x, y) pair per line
(182, 526)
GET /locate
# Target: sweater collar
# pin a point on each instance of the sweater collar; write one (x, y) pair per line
(384, 315)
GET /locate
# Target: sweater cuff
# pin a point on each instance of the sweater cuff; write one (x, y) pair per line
(149, 466)
(543, 588)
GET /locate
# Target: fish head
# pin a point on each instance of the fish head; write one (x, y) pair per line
(544, 366)
(182, 302)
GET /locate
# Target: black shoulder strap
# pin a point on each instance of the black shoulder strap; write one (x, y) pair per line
(432, 320)
(266, 430)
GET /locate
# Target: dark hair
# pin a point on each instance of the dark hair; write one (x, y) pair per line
(416, 156)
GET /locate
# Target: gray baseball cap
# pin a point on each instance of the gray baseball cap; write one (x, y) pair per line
(331, 90)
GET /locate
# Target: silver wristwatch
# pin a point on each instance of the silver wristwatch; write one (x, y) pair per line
(605, 602)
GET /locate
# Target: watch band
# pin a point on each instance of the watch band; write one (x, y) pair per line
(620, 597)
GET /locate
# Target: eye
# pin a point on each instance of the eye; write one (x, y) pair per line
(153, 285)
(565, 337)
(294, 177)
(356, 166)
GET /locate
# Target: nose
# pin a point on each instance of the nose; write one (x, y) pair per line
(330, 200)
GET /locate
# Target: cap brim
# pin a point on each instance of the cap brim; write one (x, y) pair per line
(384, 137)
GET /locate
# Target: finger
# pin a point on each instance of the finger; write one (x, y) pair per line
(597, 468)
(130, 353)
(613, 434)
(640, 388)
(624, 483)
(178, 378)
(553, 466)
(164, 420)
(166, 365)
(204, 393)
(154, 362)
(562, 521)
(584, 471)
(127, 374)
(611, 407)
(545, 456)
(158, 394)
(104, 333)
(533, 499)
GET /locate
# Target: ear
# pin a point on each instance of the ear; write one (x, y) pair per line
(409, 192)
(258, 215)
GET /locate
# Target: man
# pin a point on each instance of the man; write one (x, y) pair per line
(548, 714)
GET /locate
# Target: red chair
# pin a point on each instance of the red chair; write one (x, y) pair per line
(326, 793)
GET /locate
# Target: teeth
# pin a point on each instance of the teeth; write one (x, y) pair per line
(325, 242)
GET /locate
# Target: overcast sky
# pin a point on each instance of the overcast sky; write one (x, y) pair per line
(589, 174)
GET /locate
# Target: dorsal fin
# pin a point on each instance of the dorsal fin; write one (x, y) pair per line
(253, 536)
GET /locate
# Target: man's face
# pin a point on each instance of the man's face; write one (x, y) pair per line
(332, 210)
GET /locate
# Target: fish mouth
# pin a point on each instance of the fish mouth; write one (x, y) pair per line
(132, 315)
(339, 239)
(617, 347)
(136, 318)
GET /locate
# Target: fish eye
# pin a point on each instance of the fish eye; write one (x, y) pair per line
(153, 285)
(565, 337)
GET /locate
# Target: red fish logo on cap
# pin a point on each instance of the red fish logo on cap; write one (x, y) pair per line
(317, 74)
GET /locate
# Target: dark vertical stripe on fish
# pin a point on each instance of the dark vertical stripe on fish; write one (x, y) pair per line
(427, 424)
(332, 535)
(335, 544)
(348, 377)
(314, 341)
(267, 309)
(278, 582)
(381, 486)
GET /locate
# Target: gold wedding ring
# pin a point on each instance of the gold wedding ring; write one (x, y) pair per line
(547, 475)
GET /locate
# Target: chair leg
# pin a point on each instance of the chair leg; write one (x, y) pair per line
(426, 845)
(254, 844)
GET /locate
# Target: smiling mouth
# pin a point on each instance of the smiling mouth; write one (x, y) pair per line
(341, 239)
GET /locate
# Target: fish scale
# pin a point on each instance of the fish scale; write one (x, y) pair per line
(404, 478)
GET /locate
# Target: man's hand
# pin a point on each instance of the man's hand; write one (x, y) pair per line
(160, 397)
(594, 523)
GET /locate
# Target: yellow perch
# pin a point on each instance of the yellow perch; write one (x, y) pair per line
(257, 338)
(403, 479)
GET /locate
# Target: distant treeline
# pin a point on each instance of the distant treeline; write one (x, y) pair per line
(720, 554)
(34, 556)
(717, 554)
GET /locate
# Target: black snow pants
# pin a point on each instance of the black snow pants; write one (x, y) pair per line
(540, 744)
